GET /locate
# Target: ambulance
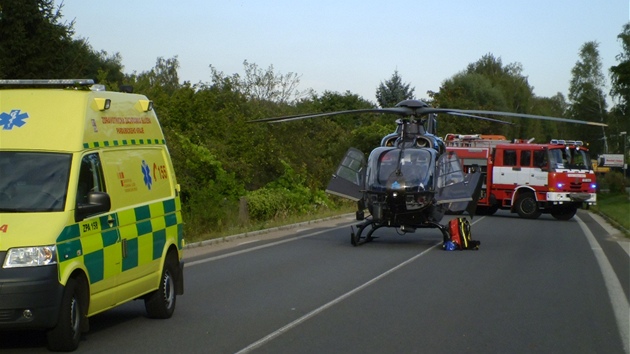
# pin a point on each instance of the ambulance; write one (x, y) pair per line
(90, 214)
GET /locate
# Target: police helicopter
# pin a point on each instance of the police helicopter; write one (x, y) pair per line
(410, 181)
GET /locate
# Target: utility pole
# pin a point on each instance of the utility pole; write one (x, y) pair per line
(625, 163)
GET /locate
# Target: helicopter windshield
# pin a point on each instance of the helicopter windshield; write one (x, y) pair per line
(409, 169)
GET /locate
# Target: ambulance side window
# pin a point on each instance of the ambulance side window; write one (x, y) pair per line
(90, 177)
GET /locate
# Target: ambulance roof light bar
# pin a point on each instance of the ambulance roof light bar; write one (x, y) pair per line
(44, 83)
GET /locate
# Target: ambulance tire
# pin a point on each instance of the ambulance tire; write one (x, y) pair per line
(161, 303)
(527, 207)
(65, 336)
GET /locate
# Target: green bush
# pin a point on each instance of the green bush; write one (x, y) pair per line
(288, 195)
(615, 182)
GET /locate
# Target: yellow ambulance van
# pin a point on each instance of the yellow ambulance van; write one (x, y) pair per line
(90, 214)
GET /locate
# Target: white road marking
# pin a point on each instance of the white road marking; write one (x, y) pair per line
(620, 305)
(210, 259)
(318, 310)
(248, 242)
(625, 245)
(313, 313)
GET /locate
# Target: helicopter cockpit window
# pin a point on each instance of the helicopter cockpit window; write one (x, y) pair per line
(449, 170)
(414, 166)
(388, 165)
(409, 168)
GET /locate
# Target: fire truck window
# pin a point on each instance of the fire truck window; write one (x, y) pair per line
(526, 158)
(509, 157)
(540, 158)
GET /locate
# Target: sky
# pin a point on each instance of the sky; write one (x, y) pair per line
(339, 46)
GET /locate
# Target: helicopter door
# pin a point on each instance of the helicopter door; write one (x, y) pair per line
(454, 187)
(347, 182)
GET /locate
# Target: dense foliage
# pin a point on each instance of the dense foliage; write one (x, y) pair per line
(222, 160)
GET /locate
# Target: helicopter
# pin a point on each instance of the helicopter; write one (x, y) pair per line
(410, 181)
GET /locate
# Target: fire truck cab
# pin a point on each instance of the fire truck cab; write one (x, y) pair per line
(527, 178)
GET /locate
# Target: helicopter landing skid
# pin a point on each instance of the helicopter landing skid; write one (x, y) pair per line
(357, 239)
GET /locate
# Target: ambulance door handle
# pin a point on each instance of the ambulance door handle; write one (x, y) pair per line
(516, 168)
(124, 248)
(111, 221)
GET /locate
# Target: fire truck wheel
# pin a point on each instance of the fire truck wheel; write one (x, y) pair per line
(564, 213)
(526, 206)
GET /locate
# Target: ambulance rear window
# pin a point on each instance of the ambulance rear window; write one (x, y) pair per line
(33, 181)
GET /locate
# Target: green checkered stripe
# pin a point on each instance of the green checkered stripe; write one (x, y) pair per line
(144, 231)
(109, 143)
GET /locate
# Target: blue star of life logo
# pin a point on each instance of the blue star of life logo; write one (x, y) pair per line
(146, 171)
(15, 118)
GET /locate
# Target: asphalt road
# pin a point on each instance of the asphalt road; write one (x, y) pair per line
(534, 286)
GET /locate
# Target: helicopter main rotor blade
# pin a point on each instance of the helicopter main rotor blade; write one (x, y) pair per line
(396, 110)
(414, 108)
(531, 116)
(458, 114)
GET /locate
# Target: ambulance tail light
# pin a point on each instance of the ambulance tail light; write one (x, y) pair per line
(30, 257)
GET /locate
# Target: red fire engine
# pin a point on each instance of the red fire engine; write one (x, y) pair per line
(527, 178)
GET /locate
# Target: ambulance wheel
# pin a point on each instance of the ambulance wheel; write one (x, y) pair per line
(564, 213)
(526, 206)
(65, 336)
(161, 302)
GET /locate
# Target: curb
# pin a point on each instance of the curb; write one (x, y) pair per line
(218, 240)
(612, 222)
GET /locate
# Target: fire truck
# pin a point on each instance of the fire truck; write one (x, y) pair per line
(528, 178)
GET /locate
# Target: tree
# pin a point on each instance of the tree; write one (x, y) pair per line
(487, 84)
(392, 91)
(586, 96)
(620, 73)
(36, 44)
(555, 106)
(468, 91)
(263, 85)
(620, 81)
(508, 79)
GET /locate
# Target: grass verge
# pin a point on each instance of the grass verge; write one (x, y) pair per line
(616, 208)
(277, 222)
